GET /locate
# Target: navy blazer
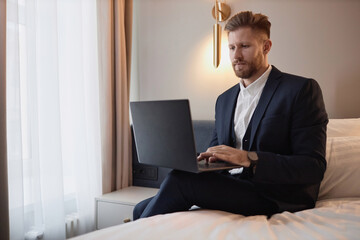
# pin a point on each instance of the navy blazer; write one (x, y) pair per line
(288, 132)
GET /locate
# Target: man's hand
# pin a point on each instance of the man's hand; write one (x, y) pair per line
(227, 154)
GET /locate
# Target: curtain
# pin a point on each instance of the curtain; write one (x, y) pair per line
(53, 121)
(4, 205)
(114, 21)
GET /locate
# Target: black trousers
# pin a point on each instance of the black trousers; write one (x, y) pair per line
(210, 190)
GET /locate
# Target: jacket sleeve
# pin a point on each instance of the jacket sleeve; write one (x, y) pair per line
(304, 162)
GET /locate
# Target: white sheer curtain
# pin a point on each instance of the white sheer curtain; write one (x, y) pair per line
(54, 155)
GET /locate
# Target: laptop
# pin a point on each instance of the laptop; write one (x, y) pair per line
(164, 136)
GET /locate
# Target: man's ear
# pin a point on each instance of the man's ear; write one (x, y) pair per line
(267, 46)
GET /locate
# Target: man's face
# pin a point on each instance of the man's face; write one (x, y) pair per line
(248, 53)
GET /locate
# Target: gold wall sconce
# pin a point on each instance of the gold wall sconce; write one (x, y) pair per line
(220, 12)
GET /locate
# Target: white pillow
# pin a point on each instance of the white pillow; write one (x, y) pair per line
(342, 175)
(343, 127)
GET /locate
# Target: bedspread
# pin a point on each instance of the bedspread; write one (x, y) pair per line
(331, 219)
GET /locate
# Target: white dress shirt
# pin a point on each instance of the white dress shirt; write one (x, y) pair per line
(246, 103)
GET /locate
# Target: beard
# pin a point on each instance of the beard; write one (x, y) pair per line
(247, 69)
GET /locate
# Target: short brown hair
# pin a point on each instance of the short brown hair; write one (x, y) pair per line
(256, 21)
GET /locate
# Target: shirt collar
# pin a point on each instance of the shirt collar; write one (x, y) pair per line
(258, 84)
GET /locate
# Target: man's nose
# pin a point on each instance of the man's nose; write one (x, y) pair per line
(238, 54)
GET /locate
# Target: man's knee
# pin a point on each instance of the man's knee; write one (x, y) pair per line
(175, 178)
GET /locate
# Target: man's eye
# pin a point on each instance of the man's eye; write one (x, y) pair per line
(231, 48)
(245, 46)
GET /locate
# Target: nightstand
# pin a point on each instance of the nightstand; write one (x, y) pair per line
(117, 207)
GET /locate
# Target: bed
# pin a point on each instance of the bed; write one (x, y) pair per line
(336, 215)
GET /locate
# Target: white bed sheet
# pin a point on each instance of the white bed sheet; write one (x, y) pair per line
(331, 219)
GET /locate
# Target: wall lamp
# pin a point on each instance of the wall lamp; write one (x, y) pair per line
(220, 12)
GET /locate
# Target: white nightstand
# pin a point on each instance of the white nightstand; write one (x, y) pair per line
(117, 207)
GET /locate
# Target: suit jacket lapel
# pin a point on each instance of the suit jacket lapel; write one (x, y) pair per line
(269, 89)
(229, 111)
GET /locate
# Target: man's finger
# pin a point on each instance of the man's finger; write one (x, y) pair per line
(204, 155)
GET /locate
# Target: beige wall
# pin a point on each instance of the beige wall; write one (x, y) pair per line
(173, 50)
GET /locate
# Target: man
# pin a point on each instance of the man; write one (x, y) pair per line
(271, 123)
